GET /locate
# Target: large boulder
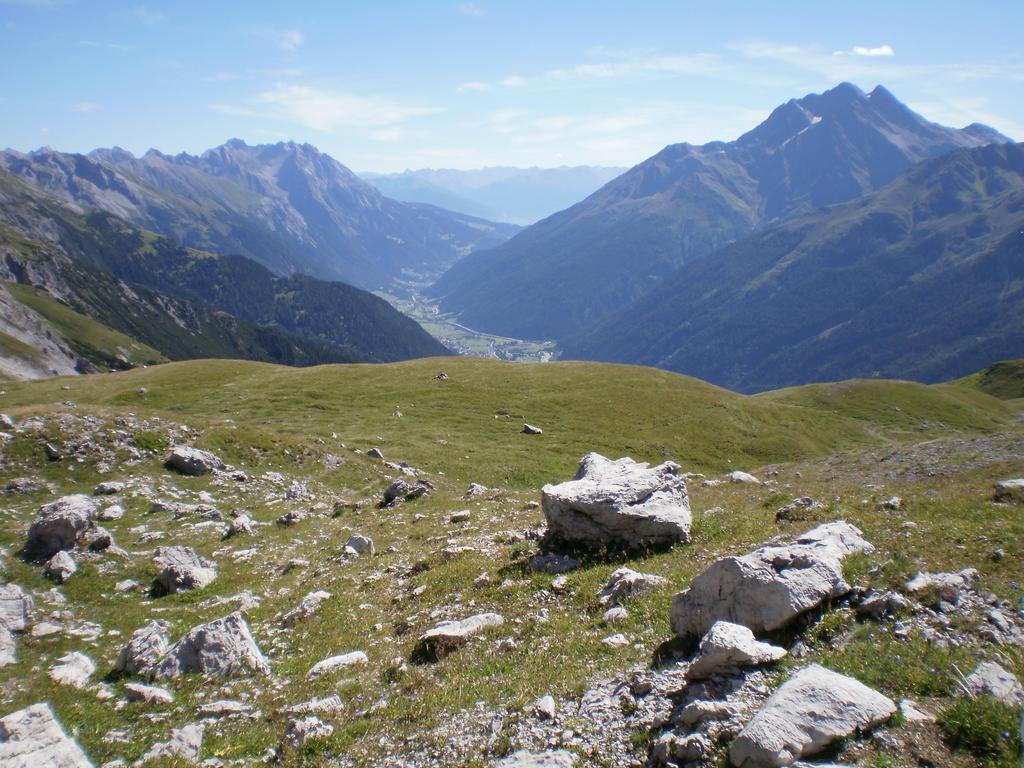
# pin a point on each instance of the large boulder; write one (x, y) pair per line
(223, 647)
(33, 737)
(727, 647)
(811, 710)
(620, 502)
(15, 608)
(147, 646)
(767, 588)
(439, 641)
(182, 569)
(193, 461)
(60, 525)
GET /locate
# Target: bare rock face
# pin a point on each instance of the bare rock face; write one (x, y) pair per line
(60, 525)
(193, 461)
(621, 502)
(147, 646)
(223, 647)
(727, 647)
(33, 737)
(60, 567)
(438, 642)
(181, 569)
(15, 608)
(625, 583)
(811, 710)
(769, 587)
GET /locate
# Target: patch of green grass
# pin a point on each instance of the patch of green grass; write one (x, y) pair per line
(986, 727)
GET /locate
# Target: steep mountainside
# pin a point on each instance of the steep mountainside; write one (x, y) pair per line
(922, 279)
(518, 195)
(568, 272)
(108, 271)
(286, 205)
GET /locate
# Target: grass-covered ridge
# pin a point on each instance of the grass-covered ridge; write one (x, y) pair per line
(1004, 380)
(469, 426)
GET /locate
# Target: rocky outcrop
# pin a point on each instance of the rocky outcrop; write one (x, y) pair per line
(438, 642)
(811, 710)
(144, 650)
(193, 461)
(60, 525)
(33, 737)
(182, 569)
(622, 503)
(769, 587)
(15, 608)
(223, 647)
(727, 647)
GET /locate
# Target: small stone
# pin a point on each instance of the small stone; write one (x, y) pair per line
(544, 707)
(151, 694)
(727, 647)
(616, 641)
(146, 647)
(360, 544)
(743, 478)
(460, 517)
(193, 461)
(529, 429)
(993, 680)
(108, 487)
(309, 605)
(438, 642)
(625, 583)
(912, 714)
(185, 743)
(60, 567)
(182, 569)
(334, 663)
(523, 759)
(301, 730)
(375, 453)
(615, 615)
(73, 669)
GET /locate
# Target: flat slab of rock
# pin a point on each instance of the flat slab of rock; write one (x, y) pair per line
(147, 646)
(34, 737)
(181, 568)
(993, 680)
(193, 461)
(15, 608)
(743, 477)
(334, 663)
(625, 583)
(61, 524)
(309, 605)
(727, 647)
(557, 758)
(769, 587)
(73, 669)
(223, 647)
(811, 710)
(620, 502)
(152, 694)
(439, 641)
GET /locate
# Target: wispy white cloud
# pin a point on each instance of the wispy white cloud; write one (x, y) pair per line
(472, 85)
(324, 110)
(471, 9)
(513, 81)
(85, 107)
(964, 111)
(861, 50)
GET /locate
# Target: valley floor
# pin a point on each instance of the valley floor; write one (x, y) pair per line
(297, 441)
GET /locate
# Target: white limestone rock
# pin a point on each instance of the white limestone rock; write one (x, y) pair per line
(334, 663)
(33, 738)
(61, 524)
(769, 587)
(73, 669)
(151, 694)
(147, 646)
(15, 608)
(991, 679)
(8, 647)
(193, 461)
(554, 759)
(727, 647)
(181, 568)
(810, 711)
(621, 502)
(185, 743)
(439, 641)
(223, 647)
(309, 605)
(625, 583)
(300, 730)
(60, 567)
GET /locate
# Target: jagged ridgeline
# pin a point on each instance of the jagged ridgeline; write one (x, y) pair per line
(87, 290)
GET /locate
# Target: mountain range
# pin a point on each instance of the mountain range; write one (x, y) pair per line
(566, 274)
(499, 193)
(922, 279)
(85, 290)
(287, 206)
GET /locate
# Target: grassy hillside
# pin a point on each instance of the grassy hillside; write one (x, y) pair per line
(851, 445)
(468, 426)
(1004, 380)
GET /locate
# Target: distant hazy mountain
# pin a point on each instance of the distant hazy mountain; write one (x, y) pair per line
(286, 205)
(565, 274)
(517, 195)
(111, 295)
(922, 279)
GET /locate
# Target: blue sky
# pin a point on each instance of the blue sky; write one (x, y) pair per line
(391, 85)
